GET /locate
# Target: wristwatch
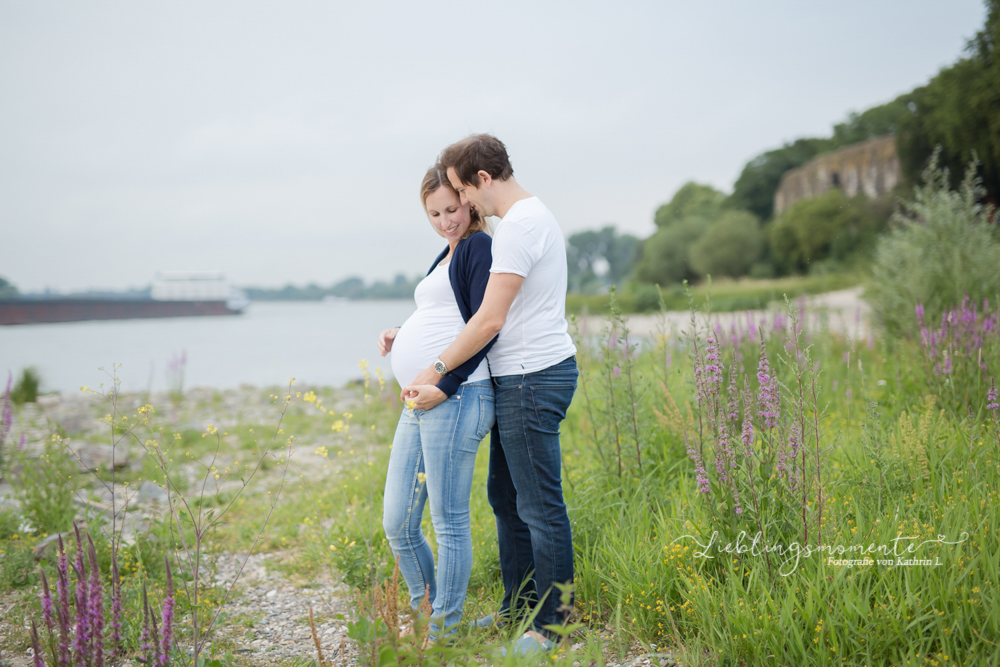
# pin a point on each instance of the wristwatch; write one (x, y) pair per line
(440, 368)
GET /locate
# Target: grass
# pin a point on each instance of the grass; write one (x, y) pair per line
(894, 463)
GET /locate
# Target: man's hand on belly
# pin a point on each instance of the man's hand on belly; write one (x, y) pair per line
(422, 396)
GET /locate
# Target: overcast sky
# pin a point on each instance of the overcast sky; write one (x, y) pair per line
(285, 141)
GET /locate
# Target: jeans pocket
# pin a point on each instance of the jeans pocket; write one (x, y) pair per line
(487, 415)
(550, 402)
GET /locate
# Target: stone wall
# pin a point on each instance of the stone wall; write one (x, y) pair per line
(867, 167)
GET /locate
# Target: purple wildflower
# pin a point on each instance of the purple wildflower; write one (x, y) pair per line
(960, 337)
(20, 443)
(992, 403)
(701, 387)
(747, 436)
(168, 617)
(96, 609)
(38, 660)
(47, 604)
(154, 640)
(704, 486)
(734, 405)
(713, 367)
(145, 637)
(47, 612)
(920, 314)
(794, 445)
(769, 400)
(82, 639)
(62, 591)
(723, 455)
(616, 371)
(738, 508)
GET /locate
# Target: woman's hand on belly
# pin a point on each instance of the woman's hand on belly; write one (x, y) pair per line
(422, 396)
(385, 340)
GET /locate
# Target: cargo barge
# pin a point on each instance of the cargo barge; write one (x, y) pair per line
(188, 294)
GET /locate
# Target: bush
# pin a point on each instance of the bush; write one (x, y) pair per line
(26, 389)
(45, 488)
(691, 199)
(830, 226)
(729, 247)
(665, 254)
(943, 248)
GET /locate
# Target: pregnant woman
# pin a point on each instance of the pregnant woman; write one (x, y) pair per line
(434, 451)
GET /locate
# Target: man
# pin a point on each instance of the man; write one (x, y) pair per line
(533, 365)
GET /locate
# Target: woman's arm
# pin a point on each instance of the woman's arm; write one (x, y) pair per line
(472, 281)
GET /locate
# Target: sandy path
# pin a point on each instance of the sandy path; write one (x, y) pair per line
(843, 312)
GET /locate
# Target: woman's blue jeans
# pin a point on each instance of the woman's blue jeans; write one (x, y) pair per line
(433, 458)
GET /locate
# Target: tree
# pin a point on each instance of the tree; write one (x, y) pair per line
(754, 189)
(729, 246)
(875, 122)
(692, 199)
(350, 288)
(664, 259)
(830, 226)
(598, 259)
(959, 111)
(7, 290)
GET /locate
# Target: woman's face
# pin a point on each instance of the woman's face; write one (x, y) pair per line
(450, 217)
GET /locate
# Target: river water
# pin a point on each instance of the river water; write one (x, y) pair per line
(315, 342)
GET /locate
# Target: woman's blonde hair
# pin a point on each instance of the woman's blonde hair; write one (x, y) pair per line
(435, 178)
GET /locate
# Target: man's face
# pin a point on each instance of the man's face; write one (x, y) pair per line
(477, 197)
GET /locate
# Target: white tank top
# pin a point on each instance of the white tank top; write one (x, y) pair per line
(430, 330)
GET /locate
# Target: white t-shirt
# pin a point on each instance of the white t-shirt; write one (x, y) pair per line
(528, 242)
(430, 330)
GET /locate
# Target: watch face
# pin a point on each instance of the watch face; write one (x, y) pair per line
(440, 367)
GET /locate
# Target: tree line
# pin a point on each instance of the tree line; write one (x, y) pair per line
(702, 231)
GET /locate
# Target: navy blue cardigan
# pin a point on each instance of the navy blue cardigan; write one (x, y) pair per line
(469, 272)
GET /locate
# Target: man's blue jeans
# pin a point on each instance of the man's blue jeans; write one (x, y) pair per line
(433, 458)
(525, 489)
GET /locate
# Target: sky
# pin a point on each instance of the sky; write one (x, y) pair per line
(285, 142)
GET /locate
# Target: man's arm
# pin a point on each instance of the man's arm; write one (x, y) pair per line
(478, 331)
(488, 320)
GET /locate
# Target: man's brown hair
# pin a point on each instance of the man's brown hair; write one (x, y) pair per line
(478, 152)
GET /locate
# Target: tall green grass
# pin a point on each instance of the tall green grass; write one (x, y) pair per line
(894, 465)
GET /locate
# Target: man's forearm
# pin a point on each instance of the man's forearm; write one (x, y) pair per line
(478, 332)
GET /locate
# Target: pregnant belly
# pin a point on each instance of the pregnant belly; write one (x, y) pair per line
(417, 345)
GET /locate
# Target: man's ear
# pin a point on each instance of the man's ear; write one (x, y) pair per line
(484, 178)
